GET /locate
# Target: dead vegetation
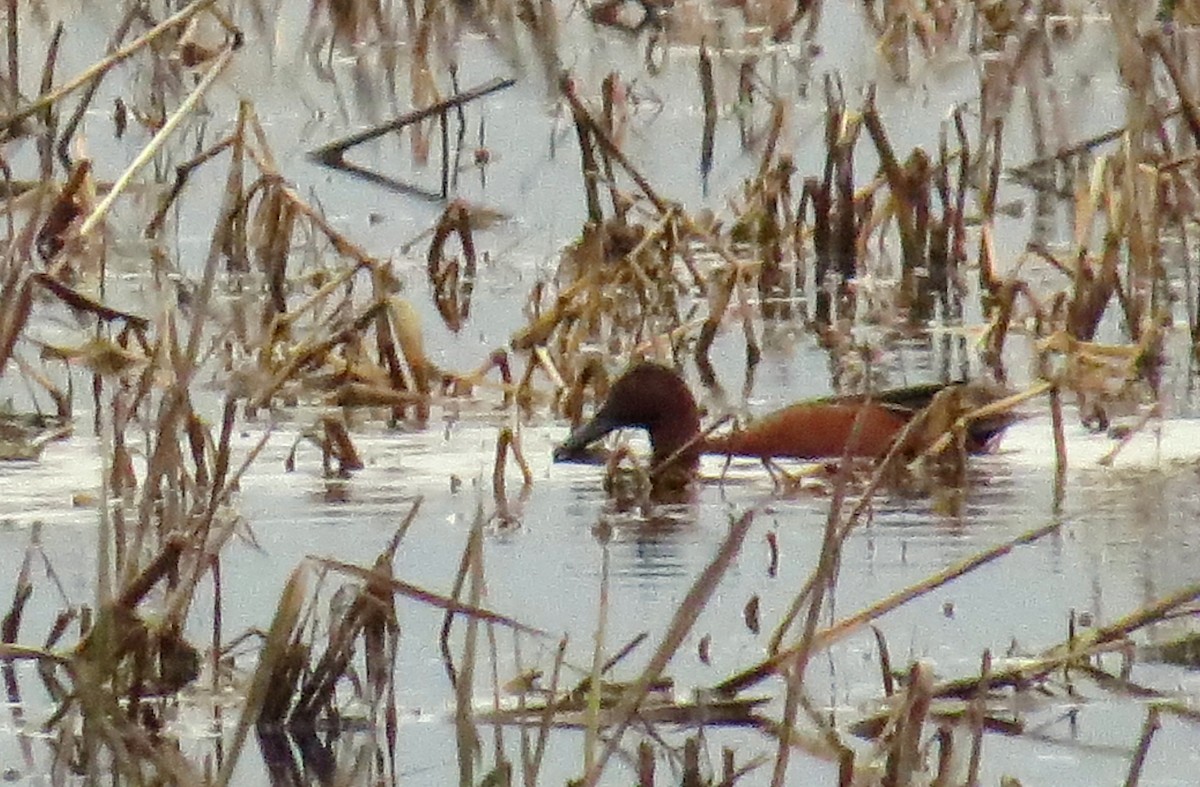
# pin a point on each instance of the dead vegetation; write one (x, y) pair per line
(289, 313)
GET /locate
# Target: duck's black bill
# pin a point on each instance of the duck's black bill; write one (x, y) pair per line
(591, 455)
(578, 445)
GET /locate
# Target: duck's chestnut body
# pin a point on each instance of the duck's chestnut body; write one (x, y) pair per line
(655, 398)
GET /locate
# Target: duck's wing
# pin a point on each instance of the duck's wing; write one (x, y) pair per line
(910, 398)
(971, 396)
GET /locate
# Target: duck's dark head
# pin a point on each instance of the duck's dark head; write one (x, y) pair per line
(649, 396)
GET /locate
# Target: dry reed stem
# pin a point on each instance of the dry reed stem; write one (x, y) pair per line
(367, 395)
(427, 597)
(452, 288)
(753, 351)
(589, 170)
(885, 662)
(998, 407)
(593, 696)
(976, 714)
(1060, 448)
(606, 143)
(720, 297)
(283, 626)
(156, 142)
(229, 207)
(793, 690)
(48, 118)
(900, 444)
(824, 745)
(660, 707)
(1155, 411)
(503, 768)
(71, 200)
(412, 346)
(691, 764)
(1024, 171)
(18, 294)
(506, 442)
(130, 746)
(904, 760)
(12, 39)
(13, 652)
(337, 444)
(612, 110)
(464, 683)
(1122, 685)
(531, 761)
(1153, 41)
(708, 100)
(645, 765)
(566, 307)
(1151, 726)
(100, 68)
(78, 301)
(1074, 653)
(314, 350)
(68, 132)
(900, 184)
(337, 281)
(165, 564)
(681, 623)
(944, 738)
(211, 541)
(847, 626)
(341, 244)
(332, 153)
(622, 653)
(182, 173)
(510, 441)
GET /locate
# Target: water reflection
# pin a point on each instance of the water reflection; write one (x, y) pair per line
(653, 538)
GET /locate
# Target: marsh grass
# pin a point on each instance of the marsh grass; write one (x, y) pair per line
(328, 324)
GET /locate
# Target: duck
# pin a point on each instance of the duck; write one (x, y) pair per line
(655, 398)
